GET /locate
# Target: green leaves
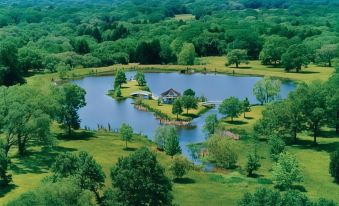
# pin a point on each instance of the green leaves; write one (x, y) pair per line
(232, 107)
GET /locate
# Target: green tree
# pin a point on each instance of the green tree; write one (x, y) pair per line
(172, 146)
(142, 169)
(126, 133)
(334, 165)
(237, 56)
(262, 196)
(189, 102)
(189, 92)
(273, 49)
(71, 98)
(295, 57)
(140, 78)
(180, 166)
(187, 54)
(211, 122)
(30, 59)
(327, 53)
(277, 146)
(222, 152)
(83, 168)
(231, 107)
(160, 136)
(246, 106)
(117, 91)
(64, 193)
(287, 171)
(120, 78)
(253, 163)
(266, 90)
(177, 108)
(5, 178)
(332, 102)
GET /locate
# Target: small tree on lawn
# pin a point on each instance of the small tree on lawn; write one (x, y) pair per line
(277, 146)
(160, 136)
(253, 163)
(189, 102)
(5, 178)
(287, 171)
(120, 78)
(177, 108)
(231, 107)
(237, 56)
(172, 146)
(180, 166)
(334, 166)
(211, 122)
(117, 91)
(246, 106)
(140, 78)
(126, 133)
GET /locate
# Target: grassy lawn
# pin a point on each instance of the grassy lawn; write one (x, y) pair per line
(167, 110)
(184, 17)
(127, 89)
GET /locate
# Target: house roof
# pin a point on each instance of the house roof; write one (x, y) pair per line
(170, 92)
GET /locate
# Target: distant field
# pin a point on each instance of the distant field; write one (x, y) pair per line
(184, 17)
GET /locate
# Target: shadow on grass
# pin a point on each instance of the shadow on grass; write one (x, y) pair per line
(236, 122)
(249, 118)
(130, 149)
(190, 115)
(309, 144)
(241, 67)
(79, 135)
(184, 180)
(37, 162)
(9, 188)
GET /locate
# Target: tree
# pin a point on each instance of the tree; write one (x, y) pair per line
(253, 163)
(117, 92)
(211, 122)
(262, 196)
(187, 54)
(332, 102)
(327, 53)
(126, 133)
(222, 152)
(71, 98)
(25, 117)
(140, 180)
(274, 48)
(120, 78)
(172, 146)
(5, 178)
(266, 90)
(287, 171)
(189, 102)
(81, 46)
(237, 56)
(177, 108)
(160, 136)
(334, 165)
(10, 71)
(148, 52)
(30, 59)
(64, 193)
(231, 107)
(295, 57)
(83, 168)
(189, 92)
(277, 146)
(246, 106)
(180, 166)
(140, 78)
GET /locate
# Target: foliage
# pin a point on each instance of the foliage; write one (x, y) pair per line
(327, 53)
(253, 163)
(142, 169)
(287, 171)
(171, 145)
(63, 193)
(222, 152)
(120, 78)
(211, 122)
(180, 166)
(5, 178)
(189, 102)
(246, 106)
(334, 165)
(187, 55)
(140, 78)
(273, 49)
(189, 92)
(117, 91)
(177, 107)
(126, 133)
(237, 56)
(231, 107)
(277, 146)
(266, 90)
(295, 57)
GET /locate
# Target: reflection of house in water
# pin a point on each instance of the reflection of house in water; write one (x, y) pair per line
(169, 96)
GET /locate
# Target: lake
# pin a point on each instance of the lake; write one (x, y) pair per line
(102, 109)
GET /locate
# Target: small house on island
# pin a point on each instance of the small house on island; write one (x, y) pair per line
(169, 96)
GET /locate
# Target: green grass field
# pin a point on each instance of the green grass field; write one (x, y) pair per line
(200, 188)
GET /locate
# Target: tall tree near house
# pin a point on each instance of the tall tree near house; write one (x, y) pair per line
(140, 78)
(189, 102)
(120, 78)
(177, 108)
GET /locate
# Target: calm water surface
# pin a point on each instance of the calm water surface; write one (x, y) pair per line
(102, 109)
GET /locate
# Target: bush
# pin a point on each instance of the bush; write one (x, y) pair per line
(277, 146)
(334, 166)
(180, 166)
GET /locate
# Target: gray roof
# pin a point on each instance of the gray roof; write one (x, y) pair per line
(171, 92)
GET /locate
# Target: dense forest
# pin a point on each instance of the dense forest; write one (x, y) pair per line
(282, 151)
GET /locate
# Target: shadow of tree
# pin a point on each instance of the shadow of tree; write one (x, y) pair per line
(79, 135)
(236, 122)
(184, 180)
(9, 188)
